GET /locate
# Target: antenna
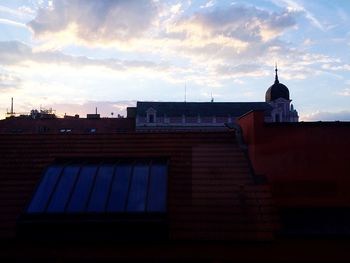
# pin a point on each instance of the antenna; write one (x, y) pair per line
(11, 106)
(276, 76)
(212, 99)
(96, 110)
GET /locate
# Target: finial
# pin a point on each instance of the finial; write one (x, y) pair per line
(276, 77)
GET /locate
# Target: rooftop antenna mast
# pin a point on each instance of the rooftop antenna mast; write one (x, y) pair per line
(11, 106)
(276, 77)
(11, 113)
(212, 99)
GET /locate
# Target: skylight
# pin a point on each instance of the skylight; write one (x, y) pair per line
(106, 187)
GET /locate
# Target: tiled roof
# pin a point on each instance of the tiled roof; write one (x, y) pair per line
(171, 109)
(212, 195)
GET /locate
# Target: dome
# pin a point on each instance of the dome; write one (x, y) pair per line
(277, 90)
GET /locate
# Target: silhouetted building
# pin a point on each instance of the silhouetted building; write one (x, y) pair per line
(278, 97)
(212, 115)
(192, 115)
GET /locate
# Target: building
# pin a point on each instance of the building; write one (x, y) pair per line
(192, 115)
(212, 115)
(278, 97)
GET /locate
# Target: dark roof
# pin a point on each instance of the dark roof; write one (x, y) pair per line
(171, 109)
(75, 125)
(211, 193)
(277, 90)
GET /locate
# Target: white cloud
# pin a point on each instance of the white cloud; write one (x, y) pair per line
(327, 116)
(345, 92)
(11, 23)
(244, 23)
(95, 21)
(336, 66)
(208, 4)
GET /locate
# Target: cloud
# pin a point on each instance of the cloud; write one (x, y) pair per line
(22, 12)
(345, 92)
(95, 21)
(208, 4)
(9, 81)
(16, 53)
(244, 23)
(239, 70)
(11, 22)
(327, 116)
(209, 40)
(294, 6)
(238, 34)
(336, 66)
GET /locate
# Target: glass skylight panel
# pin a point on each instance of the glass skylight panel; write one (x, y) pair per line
(80, 195)
(157, 188)
(44, 190)
(63, 189)
(138, 188)
(120, 187)
(99, 195)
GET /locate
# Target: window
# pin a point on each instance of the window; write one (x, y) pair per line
(151, 118)
(65, 130)
(151, 115)
(127, 187)
(115, 199)
(277, 118)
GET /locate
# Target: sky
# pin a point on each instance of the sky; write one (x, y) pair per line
(75, 55)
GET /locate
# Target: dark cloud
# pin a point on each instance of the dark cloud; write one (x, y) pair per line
(102, 20)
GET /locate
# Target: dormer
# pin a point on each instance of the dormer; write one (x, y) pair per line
(151, 114)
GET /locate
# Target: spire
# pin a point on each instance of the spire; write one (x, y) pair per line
(276, 77)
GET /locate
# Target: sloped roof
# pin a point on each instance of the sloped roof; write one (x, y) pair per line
(171, 109)
(211, 195)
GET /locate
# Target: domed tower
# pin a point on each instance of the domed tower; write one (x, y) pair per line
(278, 97)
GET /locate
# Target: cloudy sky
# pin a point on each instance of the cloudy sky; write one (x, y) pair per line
(74, 55)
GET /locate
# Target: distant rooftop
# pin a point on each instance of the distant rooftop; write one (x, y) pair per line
(172, 109)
